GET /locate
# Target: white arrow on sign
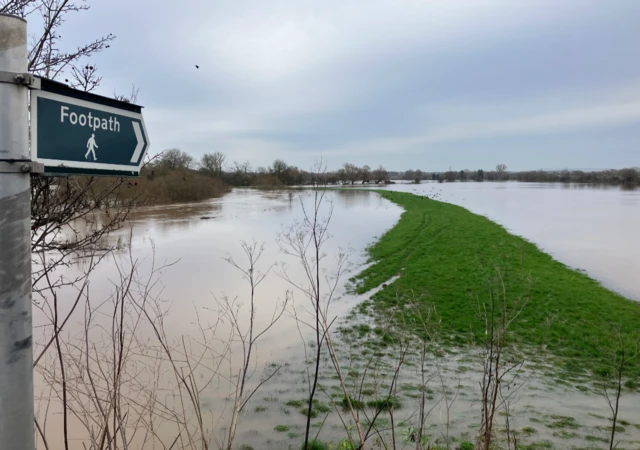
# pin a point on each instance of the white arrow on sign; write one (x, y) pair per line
(140, 144)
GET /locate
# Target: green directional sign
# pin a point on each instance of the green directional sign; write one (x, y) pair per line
(77, 133)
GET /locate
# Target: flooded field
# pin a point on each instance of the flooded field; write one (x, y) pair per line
(179, 252)
(588, 227)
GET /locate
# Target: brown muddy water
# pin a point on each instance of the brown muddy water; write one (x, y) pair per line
(186, 246)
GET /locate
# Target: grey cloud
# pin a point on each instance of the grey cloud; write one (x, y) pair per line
(407, 84)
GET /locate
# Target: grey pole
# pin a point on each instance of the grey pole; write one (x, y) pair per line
(16, 354)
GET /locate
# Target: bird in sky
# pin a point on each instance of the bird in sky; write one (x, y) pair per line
(197, 66)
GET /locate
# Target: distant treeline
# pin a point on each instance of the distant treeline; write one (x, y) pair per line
(175, 176)
(279, 174)
(629, 175)
(626, 176)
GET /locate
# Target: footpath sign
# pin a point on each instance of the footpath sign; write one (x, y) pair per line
(74, 132)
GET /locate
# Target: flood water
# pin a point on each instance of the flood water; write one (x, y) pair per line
(180, 253)
(594, 229)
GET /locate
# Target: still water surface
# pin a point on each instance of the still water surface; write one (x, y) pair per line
(186, 245)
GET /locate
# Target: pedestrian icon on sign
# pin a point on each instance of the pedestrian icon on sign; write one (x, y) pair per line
(91, 146)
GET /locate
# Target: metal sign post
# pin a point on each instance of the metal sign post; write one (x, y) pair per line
(16, 355)
(72, 132)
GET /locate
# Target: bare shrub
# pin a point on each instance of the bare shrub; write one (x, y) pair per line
(501, 371)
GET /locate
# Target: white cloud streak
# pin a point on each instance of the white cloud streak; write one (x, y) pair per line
(582, 119)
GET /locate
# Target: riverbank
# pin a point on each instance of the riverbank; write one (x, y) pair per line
(450, 257)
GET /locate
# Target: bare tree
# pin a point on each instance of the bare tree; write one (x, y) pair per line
(175, 159)
(248, 336)
(14, 7)
(409, 175)
(304, 241)
(45, 56)
(242, 174)
(365, 174)
(501, 171)
(626, 350)
(498, 314)
(243, 168)
(380, 175)
(90, 371)
(85, 78)
(428, 328)
(278, 167)
(350, 172)
(213, 163)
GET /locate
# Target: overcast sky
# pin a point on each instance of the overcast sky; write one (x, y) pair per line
(407, 84)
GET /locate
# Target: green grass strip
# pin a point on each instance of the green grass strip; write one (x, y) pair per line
(448, 255)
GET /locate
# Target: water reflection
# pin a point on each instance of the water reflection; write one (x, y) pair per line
(353, 199)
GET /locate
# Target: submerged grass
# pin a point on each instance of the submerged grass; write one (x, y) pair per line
(317, 408)
(385, 403)
(563, 422)
(356, 404)
(447, 254)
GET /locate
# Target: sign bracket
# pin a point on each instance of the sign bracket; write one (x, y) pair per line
(20, 166)
(23, 79)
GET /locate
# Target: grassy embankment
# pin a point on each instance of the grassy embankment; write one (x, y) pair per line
(447, 254)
